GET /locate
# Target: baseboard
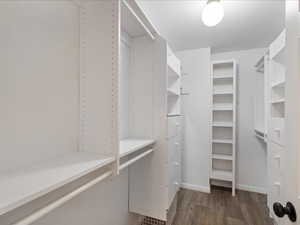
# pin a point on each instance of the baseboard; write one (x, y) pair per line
(256, 189)
(196, 187)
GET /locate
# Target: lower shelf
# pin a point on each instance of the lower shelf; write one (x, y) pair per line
(222, 141)
(130, 145)
(22, 186)
(221, 175)
(222, 157)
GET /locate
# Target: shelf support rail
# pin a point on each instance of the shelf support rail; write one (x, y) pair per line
(128, 163)
(50, 207)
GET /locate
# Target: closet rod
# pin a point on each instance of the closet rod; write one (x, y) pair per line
(128, 163)
(138, 19)
(50, 207)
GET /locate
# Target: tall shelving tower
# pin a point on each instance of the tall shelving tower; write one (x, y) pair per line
(223, 124)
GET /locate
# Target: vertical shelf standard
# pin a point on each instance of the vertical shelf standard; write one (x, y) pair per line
(223, 125)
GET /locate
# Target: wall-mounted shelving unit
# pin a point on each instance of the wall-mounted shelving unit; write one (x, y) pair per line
(69, 142)
(156, 198)
(63, 108)
(223, 122)
(173, 137)
(135, 96)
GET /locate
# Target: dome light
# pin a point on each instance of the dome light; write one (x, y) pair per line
(212, 13)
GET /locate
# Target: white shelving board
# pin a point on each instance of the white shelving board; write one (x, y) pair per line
(222, 107)
(222, 141)
(129, 146)
(222, 175)
(222, 156)
(223, 121)
(22, 186)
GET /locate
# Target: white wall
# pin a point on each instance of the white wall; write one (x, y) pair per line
(251, 154)
(105, 203)
(196, 110)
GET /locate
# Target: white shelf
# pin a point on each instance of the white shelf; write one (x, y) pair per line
(223, 107)
(174, 115)
(223, 77)
(222, 141)
(129, 146)
(259, 130)
(282, 100)
(278, 84)
(22, 186)
(222, 124)
(172, 93)
(222, 157)
(221, 175)
(223, 92)
(173, 73)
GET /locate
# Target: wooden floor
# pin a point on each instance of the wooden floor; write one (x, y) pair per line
(220, 208)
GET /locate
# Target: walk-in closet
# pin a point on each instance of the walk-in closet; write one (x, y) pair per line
(138, 112)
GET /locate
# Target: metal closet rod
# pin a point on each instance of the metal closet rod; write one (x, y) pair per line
(50, 207)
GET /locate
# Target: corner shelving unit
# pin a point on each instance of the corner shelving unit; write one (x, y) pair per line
(223, 124)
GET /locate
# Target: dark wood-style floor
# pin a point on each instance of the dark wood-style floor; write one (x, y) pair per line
(220, 208)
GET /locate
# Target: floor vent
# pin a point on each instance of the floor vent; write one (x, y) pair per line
(152, 221)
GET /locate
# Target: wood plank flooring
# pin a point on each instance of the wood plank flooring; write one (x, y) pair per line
(220, 208)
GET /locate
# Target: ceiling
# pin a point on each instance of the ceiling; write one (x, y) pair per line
(247, 23)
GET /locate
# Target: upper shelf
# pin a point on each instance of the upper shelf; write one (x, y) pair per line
(129, 146)
(223, 77)
(22, 186)
(172, 93)
(134, 22)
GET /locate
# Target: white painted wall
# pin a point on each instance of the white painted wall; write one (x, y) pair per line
(196, 110)
(251, 153)
(105, 203)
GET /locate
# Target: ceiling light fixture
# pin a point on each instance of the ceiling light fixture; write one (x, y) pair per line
(212, 13)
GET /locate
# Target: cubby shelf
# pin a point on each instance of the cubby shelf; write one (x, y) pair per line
(223, 107)
(223, 77)
(282, 100)
(22, 186)
(222, 175)
(223, 92)
(222, 124)
(222, 157)
(222, 141)
(278, 84)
